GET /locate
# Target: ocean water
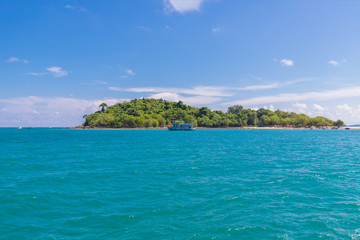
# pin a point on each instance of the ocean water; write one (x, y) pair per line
(157, 184)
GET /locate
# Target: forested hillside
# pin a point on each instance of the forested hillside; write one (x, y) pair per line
(146, 112)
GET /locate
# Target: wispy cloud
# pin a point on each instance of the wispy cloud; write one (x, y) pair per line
(35, 73)
(197, 95)
(347, 113)
(199, 90)
(333, 62)
(182, 6)
(116, 89)
(319, 108)
(216, 29)
(274, 85)
(130, 72)
(300, 105)
(73, 7)
(193, 100)
(57, 71)
(46, 111)
(15, 59)
(68, 6)
(96, 83)
(261, 87)
(287, 62)
(144, 28)
(288, 97)
(210, 91)
(345, 107)
(167, 27)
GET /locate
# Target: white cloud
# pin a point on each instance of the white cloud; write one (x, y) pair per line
(333, 62)
(300, 105)
(199, 90)
(35, 74)
(73, 7)
(182, 6)
(216, 29)
(347, 113)
(286, 97)
(69, 6)
(44, 111)
(96, 83)
(345, 107)
(260, 87)
(15, 59)
(116, 89)
(144, 28)
(274, 85)
(195, 100)
(318, 107)
(57, 71)
(198, 95)
(130, 72)
(287, 62)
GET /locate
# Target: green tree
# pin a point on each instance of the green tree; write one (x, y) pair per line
(147, 112)
(339, 123)
(103, 106)
(235, 109)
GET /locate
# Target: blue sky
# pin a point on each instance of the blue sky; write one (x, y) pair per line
(60, 59)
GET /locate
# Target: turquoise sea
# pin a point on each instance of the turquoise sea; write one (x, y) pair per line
(157, 184)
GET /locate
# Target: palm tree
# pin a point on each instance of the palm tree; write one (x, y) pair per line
(103, 106)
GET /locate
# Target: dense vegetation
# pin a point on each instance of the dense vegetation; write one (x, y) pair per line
(147, 112)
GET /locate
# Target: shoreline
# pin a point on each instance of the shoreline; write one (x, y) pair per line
(209, 128)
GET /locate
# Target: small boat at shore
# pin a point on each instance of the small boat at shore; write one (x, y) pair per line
(180, 126)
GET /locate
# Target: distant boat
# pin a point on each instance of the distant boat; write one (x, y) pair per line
(313, 128)
(347, 128)
(335, 128)
(180, 126)
(19, 127)
(324, 128)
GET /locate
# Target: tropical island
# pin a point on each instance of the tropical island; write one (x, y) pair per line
(153, 113)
